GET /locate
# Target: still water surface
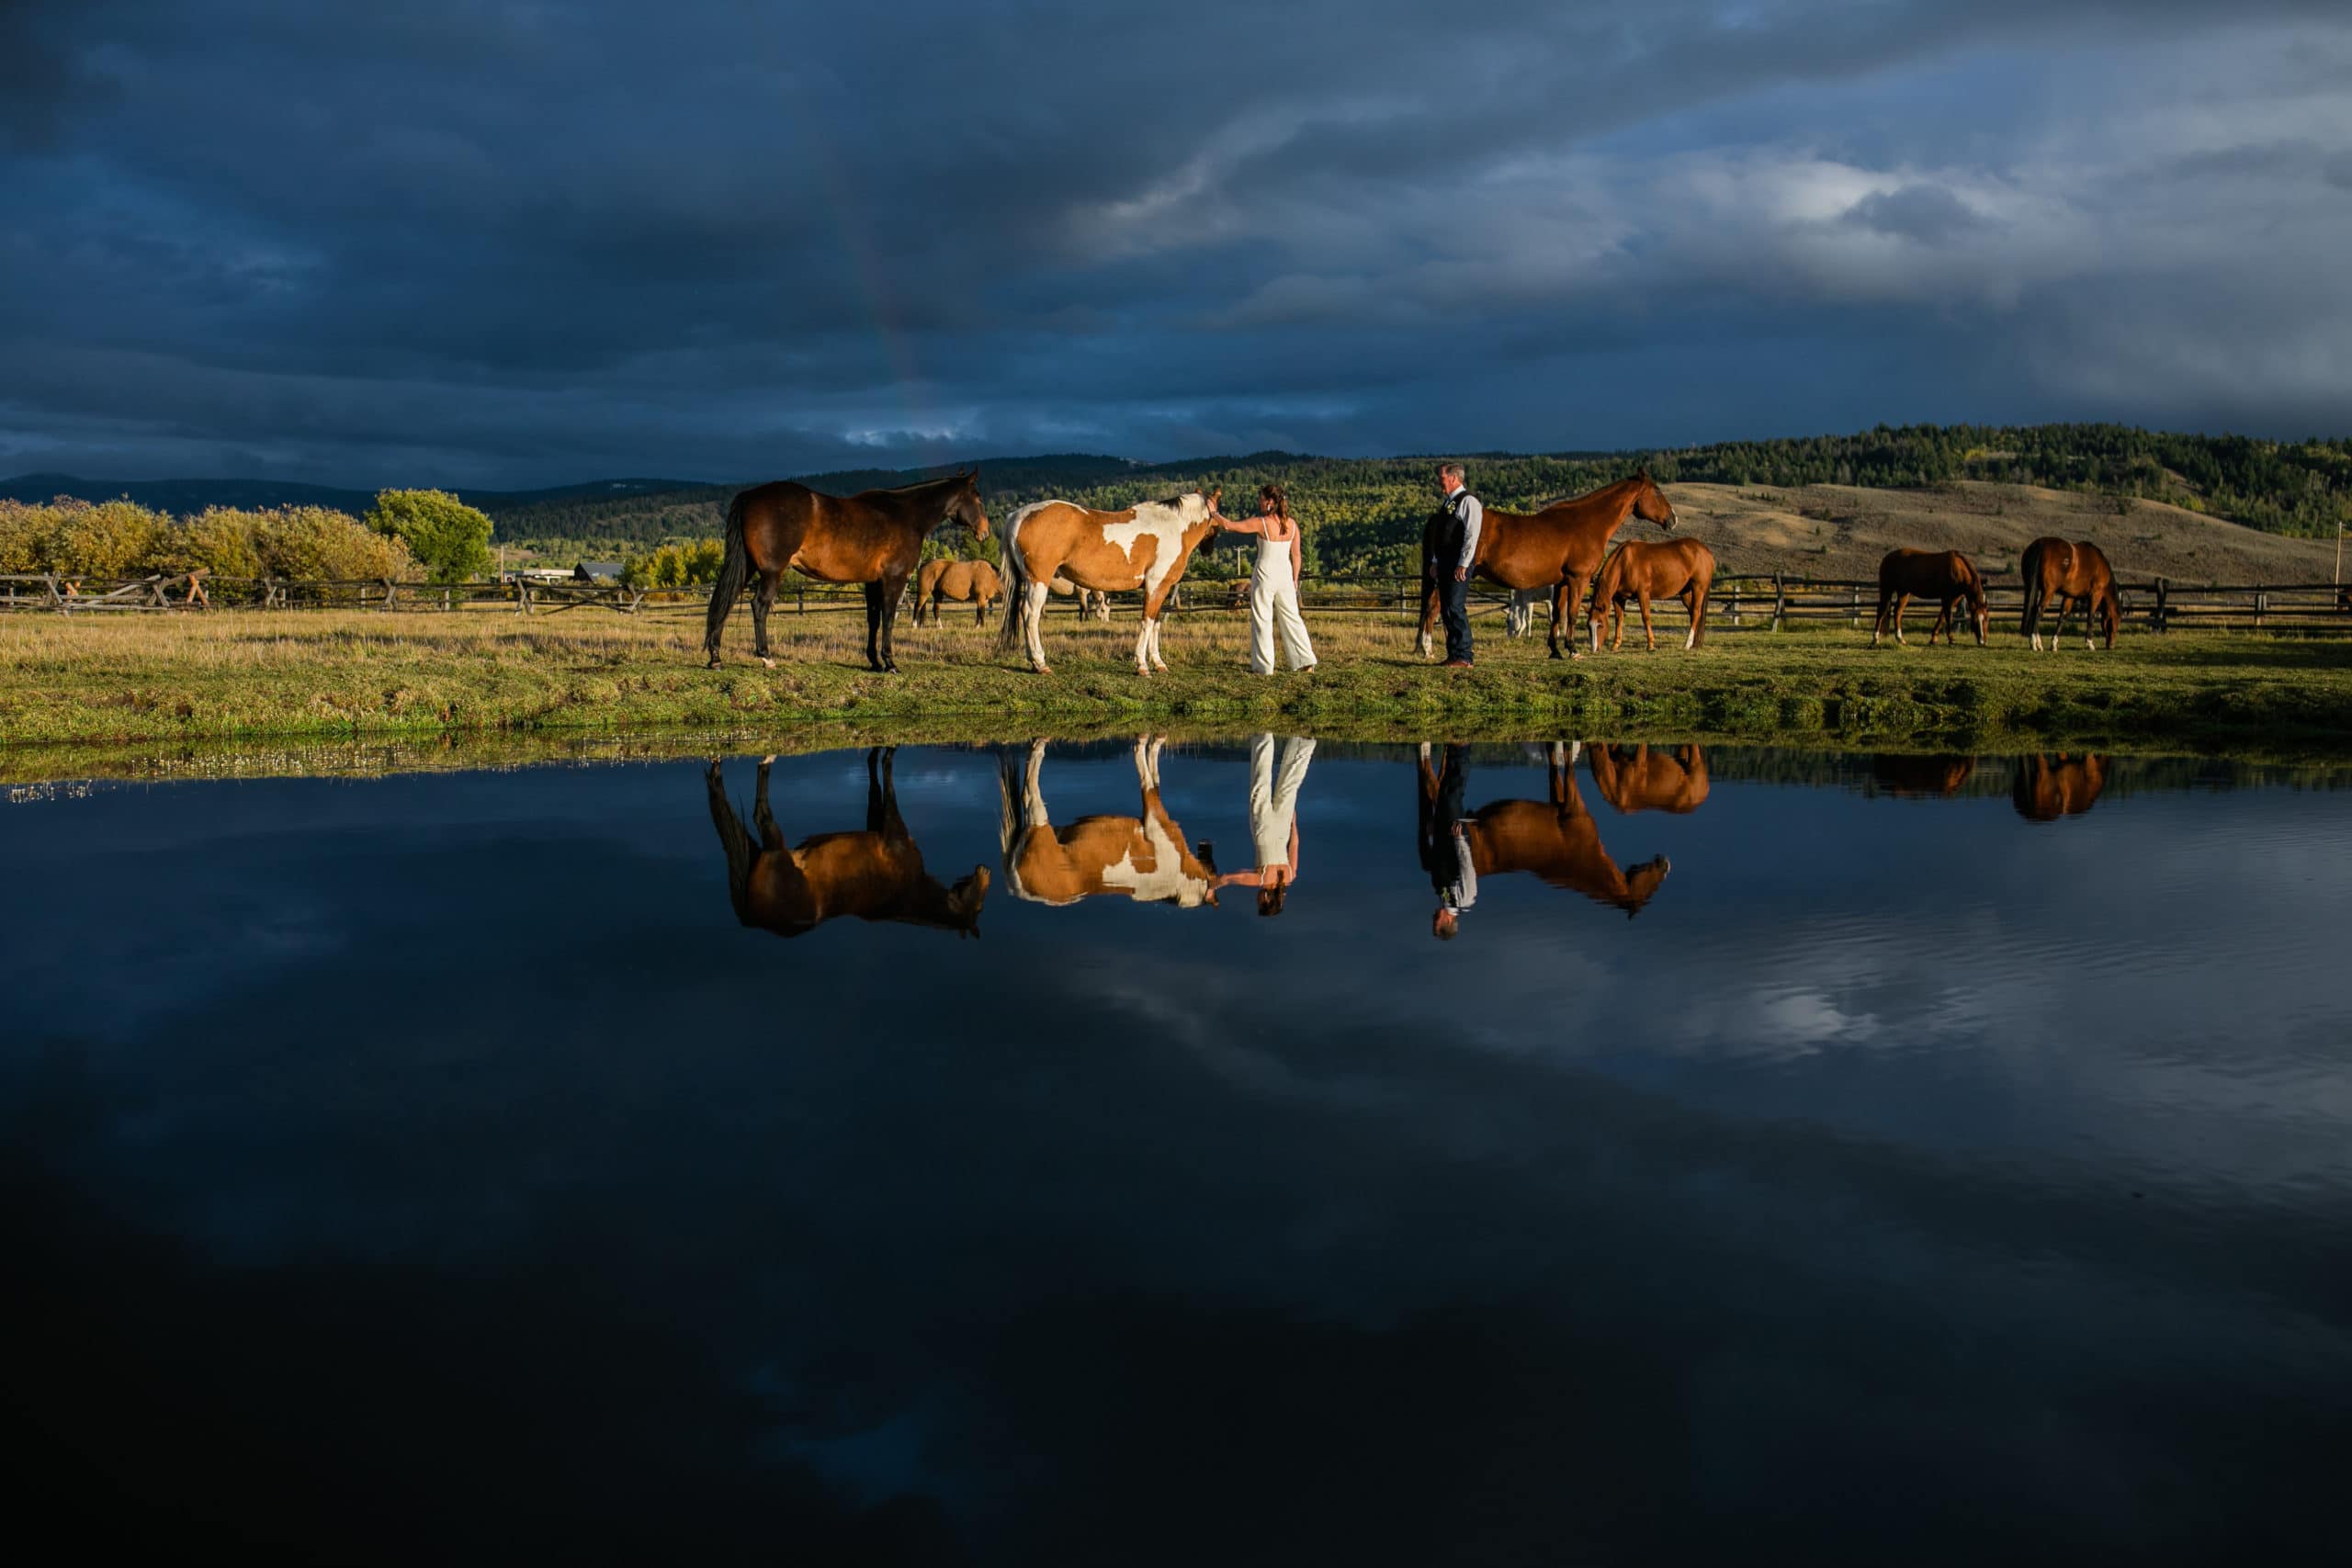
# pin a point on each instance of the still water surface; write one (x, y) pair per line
(1871, 1160)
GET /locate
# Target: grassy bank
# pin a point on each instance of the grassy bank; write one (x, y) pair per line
(250, 676)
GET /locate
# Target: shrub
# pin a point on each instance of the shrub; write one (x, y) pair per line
(448, 538)
(315, 543)
(106, 538)
(676, 566)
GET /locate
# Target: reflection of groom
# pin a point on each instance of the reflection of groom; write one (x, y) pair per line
(1445, 851)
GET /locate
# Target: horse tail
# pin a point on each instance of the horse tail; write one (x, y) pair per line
(2030, 568)
(732, 574)
(1016, 580)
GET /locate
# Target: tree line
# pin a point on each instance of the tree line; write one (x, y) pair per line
(407, 534)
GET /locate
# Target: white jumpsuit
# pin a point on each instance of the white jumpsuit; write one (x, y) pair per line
(1273, 609)
(1273, 794)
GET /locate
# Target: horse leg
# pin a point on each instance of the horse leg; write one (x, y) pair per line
(761, 597)
(763, 816)
(1696, 603)
(1648, 632)
(1564, 616)
(1878, 626)
(892, 589)
(1032, 621)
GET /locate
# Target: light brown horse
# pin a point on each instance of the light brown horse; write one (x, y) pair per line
(874, 537)
(875, 875)
(2045, 790)
(1642, 571)
(1559, 547)
(1945, 576)
(1558, 840)
(1644, 780)
(1145, 547)
(1900, 773)
(1142, 858)
(2075, 573)
(962, 581)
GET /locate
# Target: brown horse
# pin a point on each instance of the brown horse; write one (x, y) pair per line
(1899, 773)
(1557, 839)
(876, 874)
(2073, 573)
(962, 581)
(1944, 576)
(1142, 858)
(2045, 790)
(1667, 569)
(1647, 780)
(874, 537)
(1144, 547)
(1559, 547)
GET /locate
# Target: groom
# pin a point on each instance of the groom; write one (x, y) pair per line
(1455, 548)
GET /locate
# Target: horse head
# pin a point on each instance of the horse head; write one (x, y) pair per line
(1650, 503)
(1979, 615)
(964, 902)
(965, 506)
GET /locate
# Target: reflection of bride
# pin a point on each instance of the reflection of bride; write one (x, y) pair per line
(1273, 586)
(876, 874)
(1273, 818)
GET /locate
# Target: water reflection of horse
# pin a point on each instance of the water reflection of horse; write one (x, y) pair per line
(2046, 789)
(1143, 858)
(876, 874)
(874, 537)
(1559, 547)
(2074, 574)
(1557, 839)
(1898, 774)
(1638, 779)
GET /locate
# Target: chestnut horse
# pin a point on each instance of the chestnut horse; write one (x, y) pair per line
(874, 537)
(1142, 858)
(2073, 573)
(962, 581)
(2044, 790)
(1944, 576)
(1900, 773)
(1557, 839)
(1144, 547)
(876, 874)
(1667, 569)
(1650, 780)
(1559, 547)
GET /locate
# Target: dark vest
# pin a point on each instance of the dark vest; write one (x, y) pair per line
(1446, 528)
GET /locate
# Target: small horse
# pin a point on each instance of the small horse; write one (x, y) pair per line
(1142, 858)
(876, 874)
(1899, 773)
(2075, 573)
(1671, 568)
(1944, 576)
(962, 581)
(1650, 780)
(1144, 547)
(874, 537)
(1559, 547)
(1557, 839)
(2044, 790)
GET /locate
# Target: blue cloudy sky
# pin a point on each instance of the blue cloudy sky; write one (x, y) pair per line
(505, 243)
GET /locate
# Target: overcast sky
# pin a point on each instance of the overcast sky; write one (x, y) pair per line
(519, 244)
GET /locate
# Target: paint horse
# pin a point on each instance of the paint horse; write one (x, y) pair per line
(1559, 548)
(1519, 613)
(1897, 774)
(1557, 839)
(875, 875)
(874, 537)
(1945, 576)
(1142, 858)
(1145, 547)
(1641, 570)
(2075, 573)
(962, 581)
(1638, 779)
(2045, 790)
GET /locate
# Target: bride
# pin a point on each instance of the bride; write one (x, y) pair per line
(1273, 586)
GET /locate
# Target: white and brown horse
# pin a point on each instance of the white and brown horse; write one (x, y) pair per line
(1145, 547)
(1143, 858)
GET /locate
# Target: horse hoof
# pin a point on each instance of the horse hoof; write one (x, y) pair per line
(713, 664)
(769, 662)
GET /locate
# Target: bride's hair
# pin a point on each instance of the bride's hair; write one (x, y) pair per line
(1274, 494)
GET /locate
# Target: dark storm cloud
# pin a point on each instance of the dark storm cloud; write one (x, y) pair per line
(517, 242)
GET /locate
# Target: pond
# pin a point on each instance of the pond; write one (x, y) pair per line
(1044, 1154)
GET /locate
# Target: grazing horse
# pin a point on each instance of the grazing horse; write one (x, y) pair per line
(1896, 773)
(1647, 780)
(962, 581)
(2044, 790)
(1144, 547)
(1669, 569)
(874, 537)
(876, 874)
(1944, 576)
(1559, 547)
(2073, 573)
(1557, 839)
(1142, 858)
(1091, 605)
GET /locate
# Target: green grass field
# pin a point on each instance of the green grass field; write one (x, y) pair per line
(249, 676)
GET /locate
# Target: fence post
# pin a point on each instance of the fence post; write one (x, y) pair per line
(1780, 601)
(2163, 621)
(1734, 603)
(1854, 614)
(2261, 602)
